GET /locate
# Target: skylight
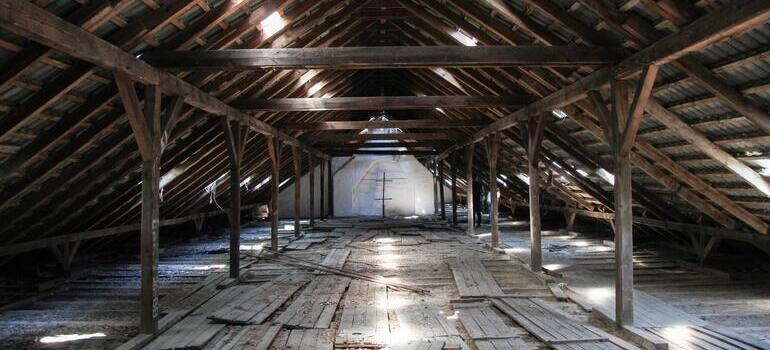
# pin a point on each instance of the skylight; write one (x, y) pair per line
(558, 113)
(524, 178)
(315, 88)
(582, 172)
(272, 24)
(463, 38)
(606, 176)
(61, 338)
(764, 163)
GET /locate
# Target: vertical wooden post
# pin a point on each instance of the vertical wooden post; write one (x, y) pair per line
(274, 150)
(322, 213)
(311, 164)
(441, 188)
(146, 128)
(434, 171)
(454, 189)
(469, 186)
(296, 155)
(569, 217)
(330, 187)
(234, 136)
(620, 126)
(535, 128)
(493, 146)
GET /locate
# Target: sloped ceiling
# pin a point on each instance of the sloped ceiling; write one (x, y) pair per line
(69, 162)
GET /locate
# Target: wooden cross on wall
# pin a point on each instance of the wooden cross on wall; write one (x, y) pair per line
(384, 180)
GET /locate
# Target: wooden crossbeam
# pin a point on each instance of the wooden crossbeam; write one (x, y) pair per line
(28, 20)
(367, 137)
(382, 153)
(380, 145)
(377, 103)
(387, 124)
(385, 57)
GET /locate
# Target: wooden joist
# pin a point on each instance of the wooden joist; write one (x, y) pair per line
(425, 136)
(30, 21)
(385, 57)
(719, 25)
(386, 124)
(378, 103)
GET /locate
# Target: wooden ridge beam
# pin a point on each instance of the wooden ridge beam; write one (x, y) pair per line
(30, 21)
(379, 57)
(377, 103)
(389, 124)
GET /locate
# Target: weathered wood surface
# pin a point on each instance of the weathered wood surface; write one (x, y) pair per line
(377, 103)
(253, 337)
(306, 339)
(336, 258)
(364, 320)
(303, 243)
(546, 325)
(482, 322)
(316, 305)
(384, 57)
(473, 279)
(254, 304)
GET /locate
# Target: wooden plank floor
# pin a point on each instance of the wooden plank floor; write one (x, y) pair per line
(478, 298)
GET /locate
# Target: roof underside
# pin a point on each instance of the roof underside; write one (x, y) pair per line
(70, 163)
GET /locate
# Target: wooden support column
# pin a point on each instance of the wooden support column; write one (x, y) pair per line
(274, 150)
(441, 188)
(569, 217)
(146, 127)
(311, 164)
(296, 155)
(330, 187)
(234, 141)
(434, 171)
(469, 185)
(493, 148)
(454, 190)
(534, 135)
(322, 212)
(620, 126)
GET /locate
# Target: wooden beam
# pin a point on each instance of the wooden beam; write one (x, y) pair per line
(367, 137)
(384, 57)
(732, 19)
(311, 164)
(28, 20)
(417, 144)
(321, 185)
(389, 124)
(296, 155)
(145, 123)
(493, 150)
(641, 96)
(377, 103)
(274, 152)
(234, 143)
(415, 153)
(441, 188)
(469, 185)
(534, 139)
(330, 186)
(454, 189)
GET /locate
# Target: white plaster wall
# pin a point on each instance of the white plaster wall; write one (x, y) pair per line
(355, 188)
(286, 196)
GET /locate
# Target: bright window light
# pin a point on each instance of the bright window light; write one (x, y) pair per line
(764, 163)
(272, 24)
(171, 175)
(440, 110)
(523, 178)
(264, 182)
(463, 38)
(582, 172)
(283, 182)
(315, 88)
(606, 176)
(558, 113)
(61, 338)
(444, 74)
(504, 177)
(246, 181)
